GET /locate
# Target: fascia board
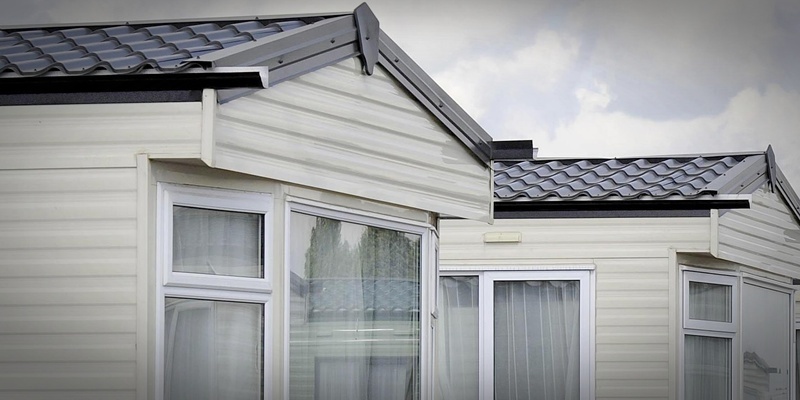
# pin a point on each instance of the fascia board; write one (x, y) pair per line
(745, 177)
(789, 195)
(420, 85)
(274, 48)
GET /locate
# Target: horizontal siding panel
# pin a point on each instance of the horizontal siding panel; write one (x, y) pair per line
(339, 130)
(96, 135)
(600, 238)
(67, 347)
(632, 389)
(68, 262)
(609, 370)
(66, 376)
(632, 352)
(68, 283)
(68, 395)
(765, 236)
(67, 290)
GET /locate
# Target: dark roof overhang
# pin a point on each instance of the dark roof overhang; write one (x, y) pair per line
(615, 208)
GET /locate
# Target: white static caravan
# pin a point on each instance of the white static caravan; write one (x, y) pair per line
(647, 278)
(226, 209)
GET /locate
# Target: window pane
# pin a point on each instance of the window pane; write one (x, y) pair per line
(710, 302)
(217, 242)
(707, 369)
(213, 350)
(354, 311)
(457, 338)
(766, 329)
(797, 365)
(537, 340)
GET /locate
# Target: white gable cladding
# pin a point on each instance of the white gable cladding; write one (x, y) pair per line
(766, 235)
(340, 130)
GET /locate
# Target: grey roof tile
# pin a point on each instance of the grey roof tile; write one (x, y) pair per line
(610, 179)
(124, 48)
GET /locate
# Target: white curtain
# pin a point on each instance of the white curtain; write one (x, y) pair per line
(457, 339)
(707, 360)
(707, 368)
(213, 350)
(537, 340)
(710, 302)
(216, 242)
(354, 311)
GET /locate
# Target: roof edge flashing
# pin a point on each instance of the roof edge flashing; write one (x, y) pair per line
(420, 85)
(369, 31)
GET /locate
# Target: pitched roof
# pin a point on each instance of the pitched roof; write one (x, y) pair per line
(697, 182)
(125, 49)
(148, 60)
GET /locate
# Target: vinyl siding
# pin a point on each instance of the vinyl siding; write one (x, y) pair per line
(633, 299)
(68, 283)
(766, 236)
(340, 130)
(97, 135)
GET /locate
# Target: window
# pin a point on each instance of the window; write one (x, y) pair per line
(797, 361)
(766, 342)
(520, 334)
(214, 288)
(355, 306)
(731, 352)
(710, 327)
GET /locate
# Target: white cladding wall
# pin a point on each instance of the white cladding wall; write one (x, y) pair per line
(68, 242)
(340, 130)
(633, 353)
(68, 283)
(97, 135)
(765, 236)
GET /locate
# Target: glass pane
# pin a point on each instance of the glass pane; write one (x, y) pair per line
(710, 302)
(354, 311)
(797, 365)
(213, 350)
(217, 242)
(457, 338)
(707, 369)
(766, 330)
(537, 340)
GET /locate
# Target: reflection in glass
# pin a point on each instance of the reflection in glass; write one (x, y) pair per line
(797, 364)
(537, 340)
(217, 242)
(710, 302)
(354, 311)
(765, 341)
(457, 338)
(707, 371)
(213, 350)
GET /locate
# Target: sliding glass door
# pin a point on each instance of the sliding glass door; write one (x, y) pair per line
(514, 335)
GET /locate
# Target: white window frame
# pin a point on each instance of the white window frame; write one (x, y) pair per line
(361, 217)
(210, 287)
(716, 279)
(486, 280)
(214, 199)
(753, 280)
(731, 330)
(725, 330)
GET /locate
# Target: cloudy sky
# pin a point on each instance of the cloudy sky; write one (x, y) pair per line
(606, 78)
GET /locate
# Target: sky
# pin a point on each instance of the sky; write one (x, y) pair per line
(596, 78)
